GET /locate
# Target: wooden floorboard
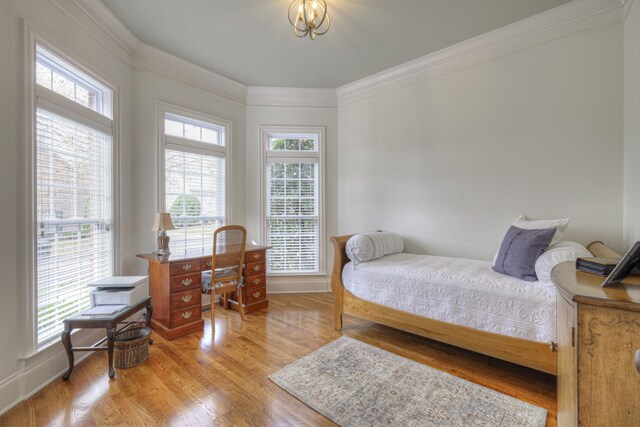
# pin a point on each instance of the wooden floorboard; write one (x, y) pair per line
(221, 378)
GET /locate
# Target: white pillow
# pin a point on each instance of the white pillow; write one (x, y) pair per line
(562, 251)
(539, 224)
(543, 224)
(369, 246)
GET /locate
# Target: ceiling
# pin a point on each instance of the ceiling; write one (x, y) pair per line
(251, 41)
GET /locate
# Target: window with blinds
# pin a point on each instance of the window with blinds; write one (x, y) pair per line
(73, 190)
(195, 182)
(293, 203)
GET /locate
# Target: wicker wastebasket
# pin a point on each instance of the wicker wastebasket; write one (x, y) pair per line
(131, 347)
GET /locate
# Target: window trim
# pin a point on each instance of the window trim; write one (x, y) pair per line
(191, 146)
(267, 131)
(31, 38)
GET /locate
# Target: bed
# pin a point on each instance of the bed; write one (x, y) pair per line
(465, 304)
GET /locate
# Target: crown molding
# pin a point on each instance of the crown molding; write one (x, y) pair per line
(78, 13)
(562, 21)
(109, 23)
(291, 97)
(149, 58)
(152, 59)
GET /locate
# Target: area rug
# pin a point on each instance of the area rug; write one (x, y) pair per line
(356, 384)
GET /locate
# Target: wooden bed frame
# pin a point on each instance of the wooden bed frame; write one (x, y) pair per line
(532, 354)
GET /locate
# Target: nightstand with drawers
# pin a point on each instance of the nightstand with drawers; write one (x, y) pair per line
(176, 289)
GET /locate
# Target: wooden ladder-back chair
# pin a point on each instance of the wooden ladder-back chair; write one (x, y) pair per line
(227, 262)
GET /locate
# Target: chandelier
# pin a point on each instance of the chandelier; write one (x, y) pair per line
(309, 17)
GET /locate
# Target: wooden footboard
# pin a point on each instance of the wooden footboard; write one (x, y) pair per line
(339, 261)
(523, 352)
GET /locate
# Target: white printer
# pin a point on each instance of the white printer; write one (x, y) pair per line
(118, 290)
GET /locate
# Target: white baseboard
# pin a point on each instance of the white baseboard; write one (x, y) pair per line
(10, 392)
(300, 292)
(41, 369)
(297, 284)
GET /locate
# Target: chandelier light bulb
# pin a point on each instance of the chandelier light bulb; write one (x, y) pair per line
(309, 18)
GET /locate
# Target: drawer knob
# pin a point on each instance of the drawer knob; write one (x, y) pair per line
(256, 281)
(638, 361)
(186, 267)
(256, 294)
(256, 256)
(187, 298)
(256, 268)
(186, 314)
(209, 264)
(553, 346)
(187, 282)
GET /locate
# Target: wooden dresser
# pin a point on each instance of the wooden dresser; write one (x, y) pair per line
(598, 333)
(175, 287)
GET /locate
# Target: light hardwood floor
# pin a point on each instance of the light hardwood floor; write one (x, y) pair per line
(221, 378)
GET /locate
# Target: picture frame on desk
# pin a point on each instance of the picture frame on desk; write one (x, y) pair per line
(625, 267)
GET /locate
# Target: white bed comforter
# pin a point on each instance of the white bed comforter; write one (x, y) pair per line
(460, 291)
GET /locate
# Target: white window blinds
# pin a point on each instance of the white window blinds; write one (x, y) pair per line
(293, 204)
(73, 199)
(195, 182)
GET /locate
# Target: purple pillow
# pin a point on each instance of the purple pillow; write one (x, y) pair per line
(519, 251)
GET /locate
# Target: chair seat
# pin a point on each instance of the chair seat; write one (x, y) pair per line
(221, 277)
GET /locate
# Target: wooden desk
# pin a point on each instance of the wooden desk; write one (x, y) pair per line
(109, 322)
(176, 288)
(598, 334)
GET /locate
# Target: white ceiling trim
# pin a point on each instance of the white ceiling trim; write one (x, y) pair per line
(102, 35)
(109, 23)
(149, 58)
(157, 61)
(146, 57)
(291, 97)
(562, 21)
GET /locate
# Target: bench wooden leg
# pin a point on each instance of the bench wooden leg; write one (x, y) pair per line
(111, 334)
(66, 341)
(337, 310)
(337, 321)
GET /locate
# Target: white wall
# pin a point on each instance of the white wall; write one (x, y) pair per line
(139, 92)
(449, 162)
(632, 124)
(9, 176)
(18, 375)
(148, 89)
(291, 116)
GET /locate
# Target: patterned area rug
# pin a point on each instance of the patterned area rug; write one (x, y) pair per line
(356, 384)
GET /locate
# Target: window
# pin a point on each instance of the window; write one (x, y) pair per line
(293, 208)
(73, 190)
(195, 156)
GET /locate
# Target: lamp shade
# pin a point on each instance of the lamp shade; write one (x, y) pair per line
(162, 222)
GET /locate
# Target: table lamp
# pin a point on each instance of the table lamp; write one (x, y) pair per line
(161, 224)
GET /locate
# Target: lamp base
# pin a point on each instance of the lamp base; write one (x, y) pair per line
(163, 245)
